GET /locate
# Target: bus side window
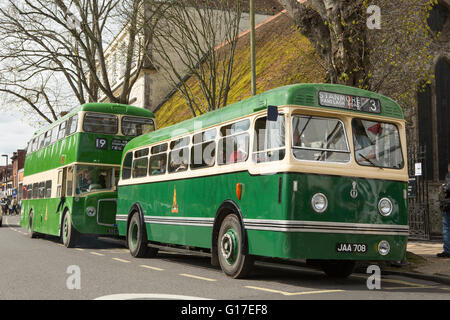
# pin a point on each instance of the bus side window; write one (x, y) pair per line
(48, 189)
(126, 167)
(140, 167)
(41, 190)
(158, 164)
(203, 153)
(178, 160)
(59, 184)
(179, 156)
(54, 134)
(62, 130)
(269, 140)
(69, 182)
(47, 138)
(233, 149)
(72, 125)
(41, 141)
(35, 190)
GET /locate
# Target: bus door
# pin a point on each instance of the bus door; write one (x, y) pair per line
(60, 195)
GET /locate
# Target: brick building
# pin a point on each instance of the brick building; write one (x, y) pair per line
(18, 162)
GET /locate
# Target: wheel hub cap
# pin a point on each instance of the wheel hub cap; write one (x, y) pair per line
(229, 246)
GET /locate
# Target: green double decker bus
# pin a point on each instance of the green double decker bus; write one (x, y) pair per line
(308, 171)
(72, 169)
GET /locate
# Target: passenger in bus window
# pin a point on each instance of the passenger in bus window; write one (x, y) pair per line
(183, 166)
(239, 154)
(162, 167)
(363, 146)
(85, 181)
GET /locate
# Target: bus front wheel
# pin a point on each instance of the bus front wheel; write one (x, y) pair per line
(69, 233)
(137, 239)
(231, 259)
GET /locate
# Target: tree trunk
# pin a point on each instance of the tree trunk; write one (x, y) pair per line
(337, 29)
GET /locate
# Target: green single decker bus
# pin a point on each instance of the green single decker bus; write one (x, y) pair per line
(308, 171)
(72, 169)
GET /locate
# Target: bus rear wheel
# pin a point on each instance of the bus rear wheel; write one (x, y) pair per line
(338, 268)
(69, 234)
(31, 233)
(137, 239)
(231, 259)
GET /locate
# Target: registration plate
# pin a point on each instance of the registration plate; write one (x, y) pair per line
(351, 247)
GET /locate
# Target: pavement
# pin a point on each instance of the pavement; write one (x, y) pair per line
(423, 263)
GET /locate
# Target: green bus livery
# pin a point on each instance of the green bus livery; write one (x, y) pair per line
(72, 169)
(307, 171)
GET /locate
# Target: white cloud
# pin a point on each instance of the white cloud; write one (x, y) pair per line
(14, 133)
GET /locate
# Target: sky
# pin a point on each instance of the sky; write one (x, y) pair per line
(14, 134)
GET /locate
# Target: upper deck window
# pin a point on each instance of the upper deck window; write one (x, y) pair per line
(72, 125)
(100, 123)
(377, 144)
(319, 139)
(133, 126)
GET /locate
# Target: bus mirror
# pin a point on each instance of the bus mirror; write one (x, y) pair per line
(272, 113)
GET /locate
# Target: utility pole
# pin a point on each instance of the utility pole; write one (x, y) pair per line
(252, 45)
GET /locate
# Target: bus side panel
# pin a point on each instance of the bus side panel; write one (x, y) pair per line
(174, 202)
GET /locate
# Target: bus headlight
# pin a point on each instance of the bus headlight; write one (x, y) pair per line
(385, 207)
(319, 202)
(90, 211)
(384, 247)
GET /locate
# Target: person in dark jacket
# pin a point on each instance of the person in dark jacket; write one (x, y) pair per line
(446, 216)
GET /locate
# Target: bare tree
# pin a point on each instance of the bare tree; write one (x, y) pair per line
(197, 39)
(65, 40)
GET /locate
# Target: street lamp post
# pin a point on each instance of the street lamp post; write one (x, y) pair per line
(252, 45)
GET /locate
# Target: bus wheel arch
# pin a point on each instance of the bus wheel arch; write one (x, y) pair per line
(136, 236)
(230, 215)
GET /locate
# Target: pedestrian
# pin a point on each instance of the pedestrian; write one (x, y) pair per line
(14, 208)
(8, 206)
(445, 207)
(3, 205)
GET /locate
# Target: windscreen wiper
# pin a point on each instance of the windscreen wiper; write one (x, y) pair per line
(370, 161)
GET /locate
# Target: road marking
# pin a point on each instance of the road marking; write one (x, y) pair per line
(293, 293)
(409, 287)
(153, 268)
(156, 296)
(79, 249)
(97, 254)
(121, 260)
(406, 283)
(196, 277)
